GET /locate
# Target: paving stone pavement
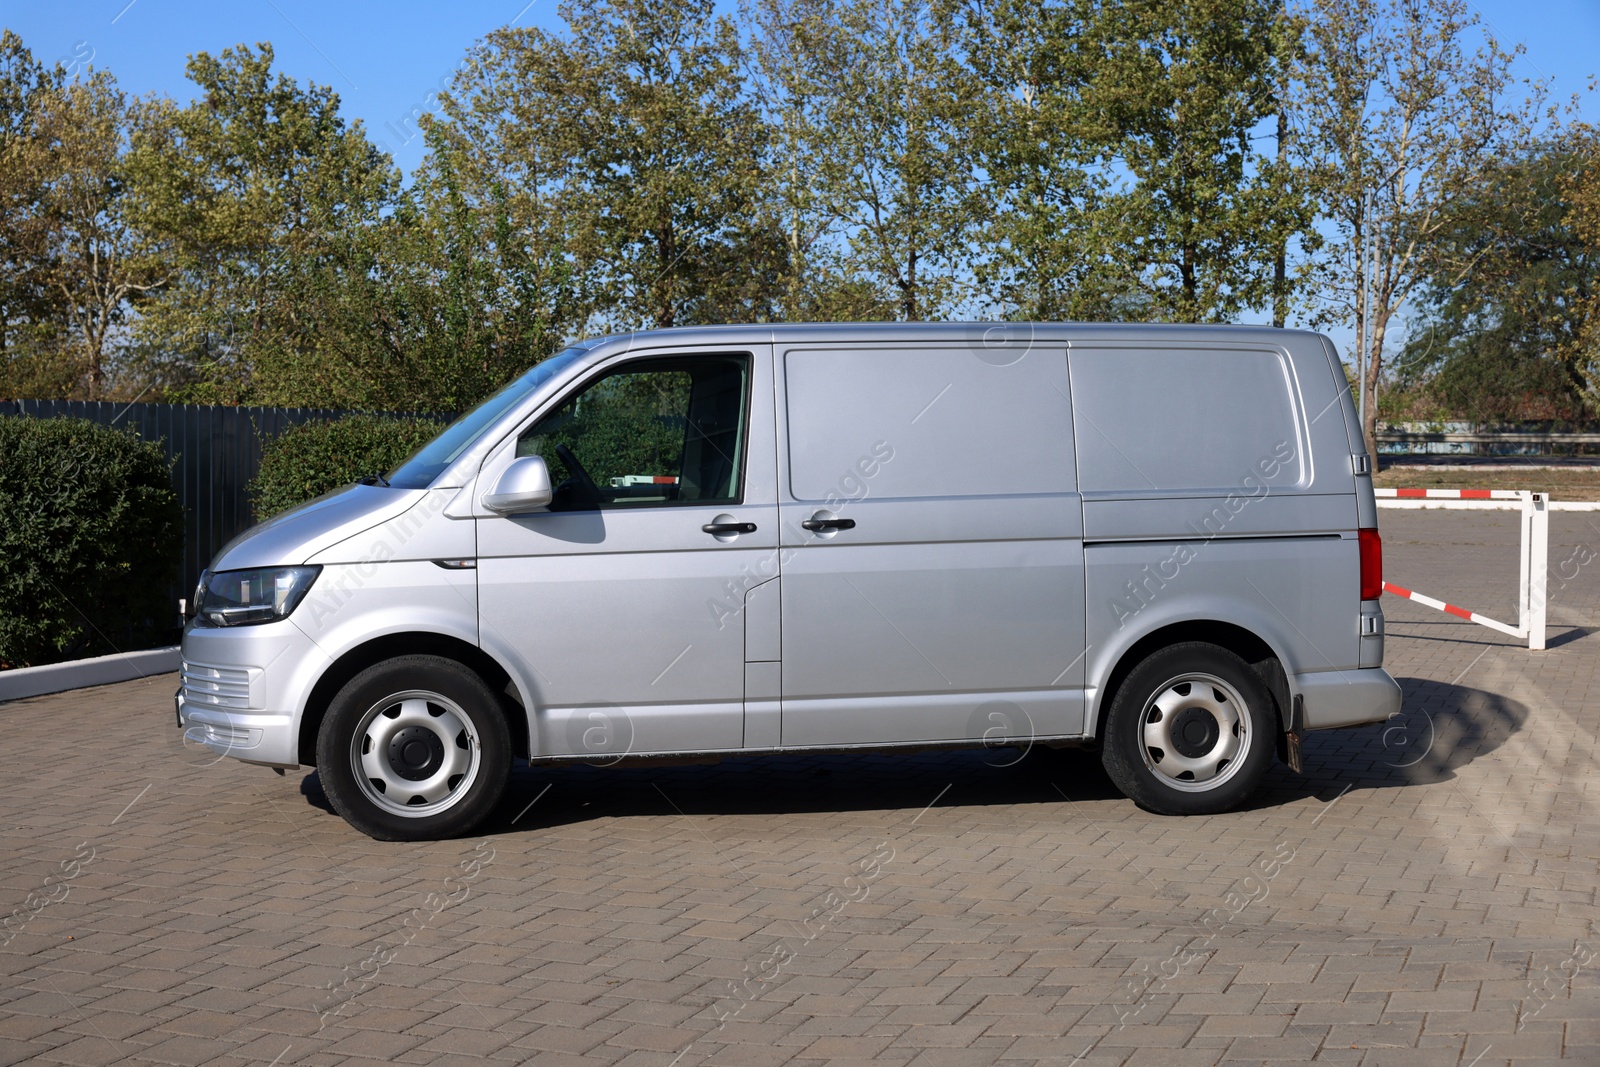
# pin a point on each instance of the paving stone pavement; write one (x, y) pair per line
(1424, 894)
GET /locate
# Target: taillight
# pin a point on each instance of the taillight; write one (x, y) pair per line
(1371, 564)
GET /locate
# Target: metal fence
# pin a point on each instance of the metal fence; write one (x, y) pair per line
(215, 452)
(1398, 442)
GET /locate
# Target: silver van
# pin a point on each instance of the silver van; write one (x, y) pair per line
(736, 540)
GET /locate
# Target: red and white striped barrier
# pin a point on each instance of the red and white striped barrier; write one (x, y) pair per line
(1535, 554)
(1481, 499)
(1439, 605)
(1450, 494)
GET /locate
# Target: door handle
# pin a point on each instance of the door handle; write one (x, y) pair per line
(828, 524)
(729, 527)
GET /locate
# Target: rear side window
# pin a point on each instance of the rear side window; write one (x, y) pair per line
(1184, 419)
(892, 423)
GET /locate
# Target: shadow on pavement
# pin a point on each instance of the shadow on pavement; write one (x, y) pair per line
(1441, 728)
(767, 785)
(1577, 633)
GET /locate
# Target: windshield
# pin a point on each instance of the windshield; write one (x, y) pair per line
(420, 470)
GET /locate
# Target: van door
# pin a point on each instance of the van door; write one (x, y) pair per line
(615, 598)
(932, 559)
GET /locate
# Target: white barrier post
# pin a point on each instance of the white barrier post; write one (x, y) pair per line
(1524, 535)
(1535, 565)
(1534, 556)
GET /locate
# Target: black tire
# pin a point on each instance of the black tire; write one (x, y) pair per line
(1192, 731)
(414, 749)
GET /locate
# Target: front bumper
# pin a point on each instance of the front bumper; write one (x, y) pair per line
(270, 740)
(1347, 698)
(243, 691)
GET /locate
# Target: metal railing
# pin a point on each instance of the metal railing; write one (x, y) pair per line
(1471, 443)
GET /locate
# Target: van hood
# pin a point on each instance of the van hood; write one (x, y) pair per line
(296, 535)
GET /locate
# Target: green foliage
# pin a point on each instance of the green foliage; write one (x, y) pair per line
(91, 252)
(1505, 344)
(1581, 192)
(1407, 111)
(1488, 380)
(267, 195)
(31, 310)
(1046, 243)
(317, 457)
(629, 424)
(653, 163)
(870, 106)
(91, 540)
(629, 147)
(1181, 86)
(461, 298)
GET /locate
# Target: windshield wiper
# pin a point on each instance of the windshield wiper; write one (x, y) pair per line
(373, 479)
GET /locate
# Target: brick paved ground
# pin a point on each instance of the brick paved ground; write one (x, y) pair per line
(1416, 898)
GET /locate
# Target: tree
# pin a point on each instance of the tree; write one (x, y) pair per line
(463, 299)
(99, 261)
(792, 59)
(1040, 145)
(893, 103)
(1503, 344)
(631, 146)
(1581, 190)
(265, 195)
(31, 312)
(1182, 87)
(1402, 120)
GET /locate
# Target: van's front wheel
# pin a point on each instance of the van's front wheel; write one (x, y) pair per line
(1191, 731)
(414, 748)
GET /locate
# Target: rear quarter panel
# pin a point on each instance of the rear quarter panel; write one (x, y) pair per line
(1269, 545)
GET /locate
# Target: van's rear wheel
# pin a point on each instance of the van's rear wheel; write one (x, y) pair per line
(414, 748)
(1191, 731)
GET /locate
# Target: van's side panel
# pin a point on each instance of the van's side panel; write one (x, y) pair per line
(1217, 486)
(953, 608)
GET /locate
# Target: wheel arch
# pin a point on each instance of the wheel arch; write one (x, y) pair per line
(355, 660)
(1242, 642)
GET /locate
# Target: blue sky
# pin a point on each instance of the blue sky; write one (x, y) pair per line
(385, 60)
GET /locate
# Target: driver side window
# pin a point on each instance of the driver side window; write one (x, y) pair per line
(650, 434)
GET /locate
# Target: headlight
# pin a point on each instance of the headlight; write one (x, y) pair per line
(244, 598)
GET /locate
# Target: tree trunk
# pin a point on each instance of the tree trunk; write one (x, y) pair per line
(664, 304)
(1280, 295)
(1191, 283)
(908, 294)
(1369, 430)
(96, 371)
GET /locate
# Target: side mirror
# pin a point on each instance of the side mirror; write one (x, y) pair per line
(523, 486)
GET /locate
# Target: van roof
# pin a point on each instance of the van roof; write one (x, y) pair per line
(977, 333)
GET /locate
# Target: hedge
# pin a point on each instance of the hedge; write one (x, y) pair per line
(91, 540)
(315, 457)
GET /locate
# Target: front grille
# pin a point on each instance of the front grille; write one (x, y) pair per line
(216, 687)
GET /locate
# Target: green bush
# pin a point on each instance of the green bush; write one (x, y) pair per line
(91, 539)
(310, 459)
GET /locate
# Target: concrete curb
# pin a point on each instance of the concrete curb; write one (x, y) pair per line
(102, 670)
